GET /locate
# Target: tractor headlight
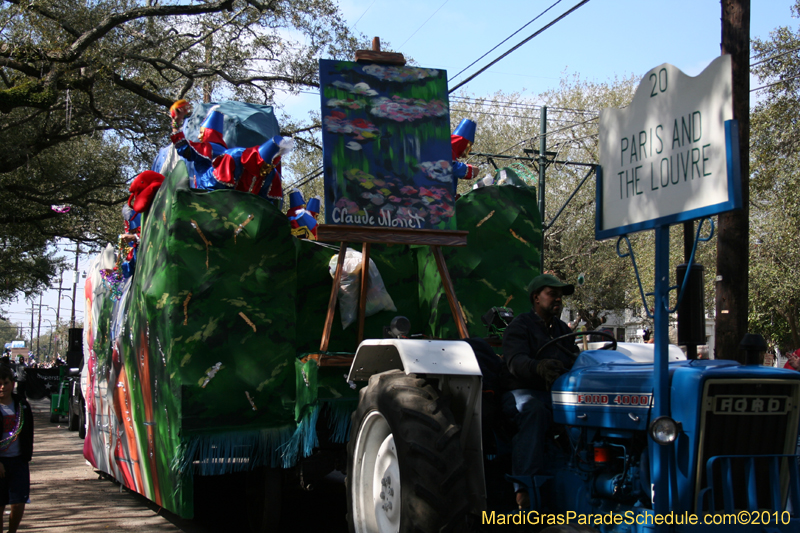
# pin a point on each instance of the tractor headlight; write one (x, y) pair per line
(664, 430)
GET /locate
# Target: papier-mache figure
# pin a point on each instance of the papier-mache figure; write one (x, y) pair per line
(201, 154)
(461, 142)
(255, 170)
(129, 241)
(143, 190)
(302, 216)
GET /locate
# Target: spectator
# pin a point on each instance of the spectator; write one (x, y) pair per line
(793, 360)
(21, 377)
(16, 449)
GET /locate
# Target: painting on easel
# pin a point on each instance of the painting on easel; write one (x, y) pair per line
(386, 146)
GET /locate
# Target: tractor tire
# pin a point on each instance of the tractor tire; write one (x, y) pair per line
(54, 418)
(405, 469)
(82, 422)
(263, 499)
(72, 420)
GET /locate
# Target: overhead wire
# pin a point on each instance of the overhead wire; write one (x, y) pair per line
(314, 174)
(776, 56)
(423, 24)
(774, 84)
(522, 104)
(364, 13)
(506, 39)
(512, 49)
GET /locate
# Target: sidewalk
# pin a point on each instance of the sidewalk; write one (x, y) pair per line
(68, 496)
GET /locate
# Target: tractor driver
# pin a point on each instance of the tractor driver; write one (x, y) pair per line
(532, 374)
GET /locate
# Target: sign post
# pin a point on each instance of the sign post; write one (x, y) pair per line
(671, 156)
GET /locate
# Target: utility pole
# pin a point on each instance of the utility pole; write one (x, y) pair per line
(542, 166)
(733, 233)
(58, 306)
(74, 284)
(39, 326)
(30, 348)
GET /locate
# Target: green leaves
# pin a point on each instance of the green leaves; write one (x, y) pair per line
(775, 197)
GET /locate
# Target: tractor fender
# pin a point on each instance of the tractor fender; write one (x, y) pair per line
(454, 366)
(413, 356)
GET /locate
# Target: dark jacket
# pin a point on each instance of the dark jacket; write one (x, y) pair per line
(523, 338)
(26, 433)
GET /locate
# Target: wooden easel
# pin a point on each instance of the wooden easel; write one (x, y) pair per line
(368, 235)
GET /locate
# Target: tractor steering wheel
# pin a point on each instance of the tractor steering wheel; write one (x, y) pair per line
(611, 346)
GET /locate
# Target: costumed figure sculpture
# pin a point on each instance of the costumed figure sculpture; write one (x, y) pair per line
(461, 142)
(200, 154)
(129, 241)
(255, 170)
(302, 216)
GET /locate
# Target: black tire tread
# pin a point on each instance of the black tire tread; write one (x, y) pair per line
(72, 420)
(82, 422)
(432, 470)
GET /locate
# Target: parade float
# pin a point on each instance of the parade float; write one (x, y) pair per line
(213, 342)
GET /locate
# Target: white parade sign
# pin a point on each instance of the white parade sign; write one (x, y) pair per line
(672, 155)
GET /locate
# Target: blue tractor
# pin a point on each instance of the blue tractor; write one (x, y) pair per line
(419, 455)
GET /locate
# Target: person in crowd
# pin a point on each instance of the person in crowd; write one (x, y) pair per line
(532, 373)
(793, 360)
(16, 450)
(21, 377)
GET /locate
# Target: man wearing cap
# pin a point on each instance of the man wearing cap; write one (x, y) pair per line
(532, 373)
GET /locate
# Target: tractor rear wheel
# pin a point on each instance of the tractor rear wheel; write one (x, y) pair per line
(82, 421)
(405, 466)
(72, 420)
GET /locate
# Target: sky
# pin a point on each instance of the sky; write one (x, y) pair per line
(598, 41)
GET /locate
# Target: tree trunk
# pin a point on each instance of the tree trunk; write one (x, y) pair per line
(732, 237)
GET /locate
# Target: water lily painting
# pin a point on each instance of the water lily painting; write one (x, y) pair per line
(386, 146)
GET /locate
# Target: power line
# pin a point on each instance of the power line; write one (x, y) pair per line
(523, 117)
(421, 25)
(546, 134)
(302, 181)
(481, 71)
(776, 83)
(506, 39)
(776, 56)
(509, 103)
(364, 13)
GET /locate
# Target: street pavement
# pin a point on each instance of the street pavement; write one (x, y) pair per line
(68, 495)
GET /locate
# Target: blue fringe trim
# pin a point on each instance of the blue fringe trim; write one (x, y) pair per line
(222, 453)
(304, 439)
(340, 413)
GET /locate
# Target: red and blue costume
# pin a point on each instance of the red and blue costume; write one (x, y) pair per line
(461, 142)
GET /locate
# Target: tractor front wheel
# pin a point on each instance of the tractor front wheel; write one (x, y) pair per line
(405, 466)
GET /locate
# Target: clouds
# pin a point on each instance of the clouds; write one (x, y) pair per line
(363, 130)
(438, 170)
(402, 109)
(360, 88)
(400, 74)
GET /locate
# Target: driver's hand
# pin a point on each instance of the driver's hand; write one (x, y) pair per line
(550, 370)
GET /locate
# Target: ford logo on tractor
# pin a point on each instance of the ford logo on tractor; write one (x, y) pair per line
(751, 405)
